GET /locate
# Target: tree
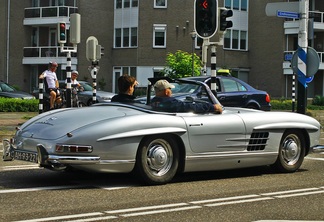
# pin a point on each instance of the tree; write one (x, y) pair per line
(179, 65)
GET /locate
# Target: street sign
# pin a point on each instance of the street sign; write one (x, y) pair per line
(288, 57)
(285, 14)
(313, 62)
(272, 8)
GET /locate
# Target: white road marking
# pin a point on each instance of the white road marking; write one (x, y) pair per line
(62, 217)
(314, 158)
(198, 204)
(20, 167)
(37, 189)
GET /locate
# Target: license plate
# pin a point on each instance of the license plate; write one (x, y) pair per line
(25, 156)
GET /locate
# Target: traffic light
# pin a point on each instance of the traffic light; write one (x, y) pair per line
(75, 28)
(205, 14)
(91, 48)
(225, 13)
(61, 32)
(99, 52)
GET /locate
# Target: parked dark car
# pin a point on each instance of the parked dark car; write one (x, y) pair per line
(233, 92)
(8, 91)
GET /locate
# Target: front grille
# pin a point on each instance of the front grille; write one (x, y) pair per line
(258, 141)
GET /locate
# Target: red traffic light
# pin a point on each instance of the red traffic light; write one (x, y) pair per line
(61, 32)
(205, 4)
(62, 26)
(205, 21)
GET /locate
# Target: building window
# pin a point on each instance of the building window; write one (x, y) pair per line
(125, 37)
(159, 36)
(126, 3)
(134, 3)
(244, 5)
(133, 37)
(235, 39)
(117, 38)
(236, 4)
(160, 3)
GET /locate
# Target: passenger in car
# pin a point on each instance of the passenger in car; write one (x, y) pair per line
(163, 101)
(126, 87)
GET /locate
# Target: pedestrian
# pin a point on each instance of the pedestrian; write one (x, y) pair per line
(52, 84)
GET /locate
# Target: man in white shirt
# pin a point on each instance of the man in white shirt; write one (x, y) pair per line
(52, 83)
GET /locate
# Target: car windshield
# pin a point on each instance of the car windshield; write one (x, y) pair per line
(6, 88)
(180, 88)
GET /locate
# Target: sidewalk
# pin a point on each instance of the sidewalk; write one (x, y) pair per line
(10, 120)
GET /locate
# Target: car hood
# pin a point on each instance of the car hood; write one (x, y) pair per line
(55, 124)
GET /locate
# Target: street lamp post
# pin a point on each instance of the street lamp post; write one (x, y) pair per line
(193, 37)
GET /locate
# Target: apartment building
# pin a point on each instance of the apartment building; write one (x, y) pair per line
(138, 34)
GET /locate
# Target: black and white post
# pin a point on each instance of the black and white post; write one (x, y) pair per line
(213, 69)
(68, 80)
(41, 95)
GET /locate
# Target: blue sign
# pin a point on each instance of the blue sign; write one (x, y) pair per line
(284, 14)
(288, 57)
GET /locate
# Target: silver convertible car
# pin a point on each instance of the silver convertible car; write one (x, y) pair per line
(123, 138)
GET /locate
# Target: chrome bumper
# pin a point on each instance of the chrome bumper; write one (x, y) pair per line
(43, 158)
(317, 149)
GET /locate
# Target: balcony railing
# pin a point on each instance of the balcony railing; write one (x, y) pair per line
(53, 11)
(46, 51)
(316, 15)
(288, 56)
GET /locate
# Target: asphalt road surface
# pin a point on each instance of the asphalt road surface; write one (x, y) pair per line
(29, 193)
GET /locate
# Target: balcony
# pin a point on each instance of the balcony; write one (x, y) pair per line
(48, 15)
(44, 54)
(291, 26)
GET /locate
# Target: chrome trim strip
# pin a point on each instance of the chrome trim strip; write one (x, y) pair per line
(317, 149)
(229, 155)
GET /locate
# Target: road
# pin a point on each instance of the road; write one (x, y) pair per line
(28, 193)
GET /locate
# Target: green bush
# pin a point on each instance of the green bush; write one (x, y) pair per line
(286, 104)
(281, 104)
(318, 101)
(18, 105)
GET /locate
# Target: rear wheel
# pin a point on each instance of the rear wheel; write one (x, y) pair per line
(291, 152)
(157, 159)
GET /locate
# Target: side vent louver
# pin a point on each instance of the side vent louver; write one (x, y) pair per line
(258, 141)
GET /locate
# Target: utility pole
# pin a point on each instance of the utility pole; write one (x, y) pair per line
(302, 57)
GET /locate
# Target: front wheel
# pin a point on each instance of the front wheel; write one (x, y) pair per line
(291, 152)
(157, 159)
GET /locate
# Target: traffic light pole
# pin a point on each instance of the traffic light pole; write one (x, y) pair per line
(68, 74)
(94, 69)
(213, 69)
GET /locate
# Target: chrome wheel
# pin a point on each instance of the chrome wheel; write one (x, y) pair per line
(291, 152)
(157, 159)
(291, 149)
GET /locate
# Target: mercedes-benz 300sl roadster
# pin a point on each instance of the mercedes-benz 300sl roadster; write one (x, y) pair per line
(124, 138)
